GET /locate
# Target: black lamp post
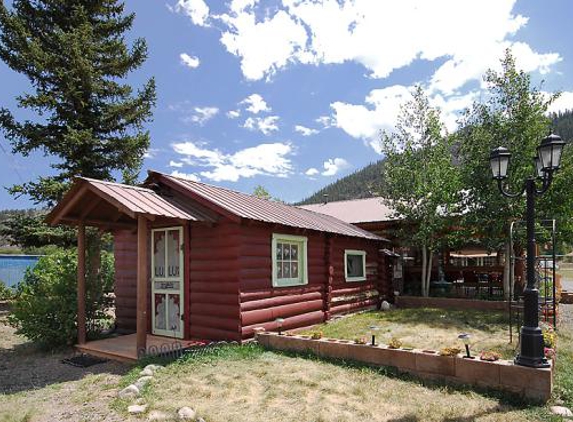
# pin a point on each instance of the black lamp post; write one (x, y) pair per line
(547, 161)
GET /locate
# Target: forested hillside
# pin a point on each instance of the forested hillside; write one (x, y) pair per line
(563, 125)
(364, 183)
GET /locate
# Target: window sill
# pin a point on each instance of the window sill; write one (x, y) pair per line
(289, 283)
(355, 279)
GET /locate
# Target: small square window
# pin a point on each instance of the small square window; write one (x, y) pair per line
(289, 260)
(355, 265)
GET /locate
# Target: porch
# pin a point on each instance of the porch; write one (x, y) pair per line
(112, 207)
(124, 348)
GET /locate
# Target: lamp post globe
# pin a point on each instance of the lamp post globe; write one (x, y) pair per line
(549, 152)
(499, 162)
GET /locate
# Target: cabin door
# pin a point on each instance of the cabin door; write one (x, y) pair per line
(167, 281)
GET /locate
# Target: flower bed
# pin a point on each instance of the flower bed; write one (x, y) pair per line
(500, 375)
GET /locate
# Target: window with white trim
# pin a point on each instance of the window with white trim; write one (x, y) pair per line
(354, 265)
(289, 260)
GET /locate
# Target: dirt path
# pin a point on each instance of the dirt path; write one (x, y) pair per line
(36, 386)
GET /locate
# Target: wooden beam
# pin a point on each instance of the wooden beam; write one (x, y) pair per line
(99, 223)
(72, 201)
(81, 283)
(142, 264)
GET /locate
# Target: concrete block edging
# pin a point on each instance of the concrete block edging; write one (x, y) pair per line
(502, 375)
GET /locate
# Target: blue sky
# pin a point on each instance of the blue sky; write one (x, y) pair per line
(291, 94)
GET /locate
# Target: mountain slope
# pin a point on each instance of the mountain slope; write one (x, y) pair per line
(363, 183)
(366, 182)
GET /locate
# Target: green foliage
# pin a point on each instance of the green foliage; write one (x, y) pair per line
(364, 183)
(261, 192)
(421, 182)
(6, 293)
(45, 309)
(31, 232)
(514, 116)
(75, 56)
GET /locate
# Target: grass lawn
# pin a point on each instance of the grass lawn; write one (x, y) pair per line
(426, 328)
(248, 383)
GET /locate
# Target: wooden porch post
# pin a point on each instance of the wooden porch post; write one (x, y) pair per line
(142, 264)
(81, 283)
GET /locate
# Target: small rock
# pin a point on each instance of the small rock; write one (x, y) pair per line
(158, 415)
(154, 368)
(129, 392)
(142, 382)
(136, 409)
(186, 414)
(146, 372)
(199, 420)
(561, 411)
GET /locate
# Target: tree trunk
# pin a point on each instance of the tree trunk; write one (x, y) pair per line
(424, 267)
(507, 271)
(429, 273)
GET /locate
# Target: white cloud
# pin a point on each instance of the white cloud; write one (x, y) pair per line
(150, 153)
(311, 172)
(264, 46)
(256, 104)
(264, 124)
(263, 159)
(371, 33)
(188, 176)
(333, 166)
(177, 164)
(197, 10)
(233, 114)
(201, 115)
(325, 121)
(366, 121)
(189, 61)
(563, 103)
(305, 131)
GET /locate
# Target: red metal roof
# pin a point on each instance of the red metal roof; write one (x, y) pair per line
(355, 211)
(253, 208)
(131, 200)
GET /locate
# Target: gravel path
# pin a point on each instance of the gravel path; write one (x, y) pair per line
(53, 391)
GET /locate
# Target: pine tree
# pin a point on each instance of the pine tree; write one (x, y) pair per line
(75, 57)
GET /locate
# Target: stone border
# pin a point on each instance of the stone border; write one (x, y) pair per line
(502, 375)
(450, 303)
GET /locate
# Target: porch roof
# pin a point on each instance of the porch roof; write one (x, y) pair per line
(102, 203)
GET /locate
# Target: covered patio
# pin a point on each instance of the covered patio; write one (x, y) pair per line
(112, 207)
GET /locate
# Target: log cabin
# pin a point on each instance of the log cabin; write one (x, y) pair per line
(195, 261)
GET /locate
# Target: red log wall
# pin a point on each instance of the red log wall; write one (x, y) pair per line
(214, 281)
(327, 292)
(231, 289)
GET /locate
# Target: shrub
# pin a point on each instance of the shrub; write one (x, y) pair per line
(45, 309)
(489, 355)
(450, 351)
(6, 293)
(395, 343)
(316, 335)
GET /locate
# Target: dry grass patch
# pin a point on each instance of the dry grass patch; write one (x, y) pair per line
(250, 384)
(426, 328)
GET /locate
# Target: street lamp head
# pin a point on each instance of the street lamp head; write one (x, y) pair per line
(539, 168)
(499, 161)
(549, 152)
